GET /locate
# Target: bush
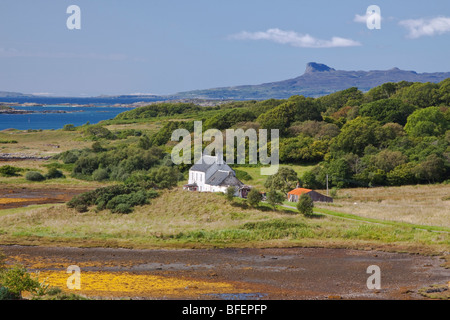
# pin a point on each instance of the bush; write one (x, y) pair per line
(96, 132)
(230, 193)
(81, 208)
(123, 208)
(69, 157)
(54, 173)
(97, 147)
(113, 197)
(243, 175)
(6, 294)
(17, 280)
(100, 174)
(69, 127)
(333, 192)
(254, 197)
(9, 171)
(34, 176)
(305, 205)
(274, 197)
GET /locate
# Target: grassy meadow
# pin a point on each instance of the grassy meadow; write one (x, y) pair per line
(182, 219)
(408, 218)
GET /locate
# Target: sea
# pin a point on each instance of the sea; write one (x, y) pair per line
(80, 111)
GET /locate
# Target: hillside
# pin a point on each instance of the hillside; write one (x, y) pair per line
(317, 80)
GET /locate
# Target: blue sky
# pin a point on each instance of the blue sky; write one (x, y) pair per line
(169, 46)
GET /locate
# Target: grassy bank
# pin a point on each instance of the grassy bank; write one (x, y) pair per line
(183, 219)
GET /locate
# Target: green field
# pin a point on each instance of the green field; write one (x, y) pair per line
(182, 219)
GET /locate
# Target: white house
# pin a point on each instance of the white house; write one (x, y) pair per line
(212, 174)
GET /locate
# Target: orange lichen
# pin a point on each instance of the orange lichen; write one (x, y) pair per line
(125, 284)
(16, 200)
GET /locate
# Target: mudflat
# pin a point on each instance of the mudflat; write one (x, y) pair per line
(248, 273)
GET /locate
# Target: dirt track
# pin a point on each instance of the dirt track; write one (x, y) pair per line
(288, 273)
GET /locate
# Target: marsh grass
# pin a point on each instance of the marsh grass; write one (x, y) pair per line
(41, 143)
(188, 219)
(421, 204)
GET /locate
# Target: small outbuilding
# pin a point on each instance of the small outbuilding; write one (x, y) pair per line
(294, 195)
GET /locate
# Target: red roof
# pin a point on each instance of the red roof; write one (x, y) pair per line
(299, 191)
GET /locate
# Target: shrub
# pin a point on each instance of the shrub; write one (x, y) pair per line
(6, 294)
(17, 280)
(123, 208)
(333, 192)
(274, 197)
(97, 147)
(305, 205)
(254, 197)
(69, 127)
(243, 175)
(54, 173)
(69, 157)
(9, 171)
(34, 176)
(112, 197)
(100, 174)
(81, 208)
(230, 193)
(96, 132)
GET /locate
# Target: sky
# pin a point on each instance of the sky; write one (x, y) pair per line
(170, 46)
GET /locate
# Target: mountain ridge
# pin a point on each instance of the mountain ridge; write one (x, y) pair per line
(317, 80)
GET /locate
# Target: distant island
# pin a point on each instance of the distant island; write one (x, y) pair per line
(317, 80)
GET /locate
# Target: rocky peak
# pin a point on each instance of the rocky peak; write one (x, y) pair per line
(317, 67)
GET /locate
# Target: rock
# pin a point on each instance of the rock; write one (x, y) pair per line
(317, 67)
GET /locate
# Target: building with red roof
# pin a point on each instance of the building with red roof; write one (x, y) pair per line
(294, 195)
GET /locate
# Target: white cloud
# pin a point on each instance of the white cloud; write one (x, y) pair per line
(294, 39)
(364, 18)
(426, 27)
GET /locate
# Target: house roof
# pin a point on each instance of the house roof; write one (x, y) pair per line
(299, 191)
(217, 178)
(206, 162)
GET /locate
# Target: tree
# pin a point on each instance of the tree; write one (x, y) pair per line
(401, 175)
(339, 172)
(274, 197)
(335, 101)
(427, 122)
(387, 110)
(305, 205)
(358, 134)
(431, 170)
(385, 91)
(297, 108)
(284, 180)
(420, 94)
(387, 160)
(254, 197)
(229, 194)
(444, 91)
(165, 177)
